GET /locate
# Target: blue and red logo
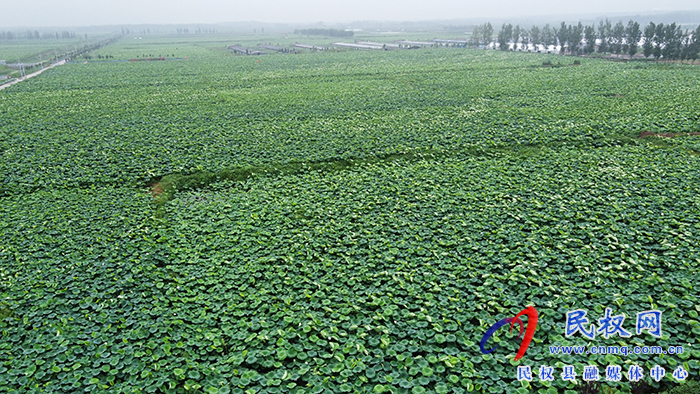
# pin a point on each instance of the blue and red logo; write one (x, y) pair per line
(531, 313)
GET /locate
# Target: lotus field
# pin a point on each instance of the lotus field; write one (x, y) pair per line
(342, 222)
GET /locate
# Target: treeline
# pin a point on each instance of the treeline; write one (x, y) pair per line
(658, 40)
(179, 30)
(36, 35)
(199, 30)
(324, 32)
(482, 34)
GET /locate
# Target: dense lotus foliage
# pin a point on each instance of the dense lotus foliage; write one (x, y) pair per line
(381, 277)
(121, 123)
(378, 278)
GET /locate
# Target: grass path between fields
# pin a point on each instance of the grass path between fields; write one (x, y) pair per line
(165, 188)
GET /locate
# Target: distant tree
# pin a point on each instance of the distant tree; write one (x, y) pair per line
(487, 33)
(563, 36)
(475, 38)
(673, 42)
(504, 36)
(516, 36)
(618, 37)
(694, 45)
(604, 32)
(685, 46)
(525, 38)
(659, 39)
(589, 35)
(648, 46)
(632, 36)
(502, 39)
(509, 34)
(575, 37)
(548, 36)
(536, 36)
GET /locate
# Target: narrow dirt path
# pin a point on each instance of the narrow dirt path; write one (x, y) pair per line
(18, 80)
(645, 134)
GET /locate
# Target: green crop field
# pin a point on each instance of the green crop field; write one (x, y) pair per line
(342, 221)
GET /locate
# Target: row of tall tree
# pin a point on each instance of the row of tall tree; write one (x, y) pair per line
(667, 41)
(36, 35)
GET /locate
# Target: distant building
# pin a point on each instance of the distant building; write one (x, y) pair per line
(238, 49)
(272, 48)
(305, 46)
(379, 44)
(459, 43)
(356, 46)
(245, 51)
(415, 43)
(3, 62)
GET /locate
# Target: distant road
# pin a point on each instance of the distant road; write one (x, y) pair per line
(18, 80)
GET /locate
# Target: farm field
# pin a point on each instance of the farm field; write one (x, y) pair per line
(340, 222)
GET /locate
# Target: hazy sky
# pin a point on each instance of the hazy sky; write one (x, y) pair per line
(101, 12)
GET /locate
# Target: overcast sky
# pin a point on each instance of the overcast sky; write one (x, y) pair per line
(100, 12)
